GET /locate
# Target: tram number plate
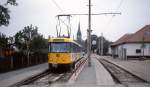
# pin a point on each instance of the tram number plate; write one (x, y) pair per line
(55, 65)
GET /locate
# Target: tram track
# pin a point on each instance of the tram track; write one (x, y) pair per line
(30, 79)
(120, 75)
(45, 81)
(47, 78)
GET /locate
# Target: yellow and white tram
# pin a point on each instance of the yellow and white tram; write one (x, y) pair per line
(63, 53)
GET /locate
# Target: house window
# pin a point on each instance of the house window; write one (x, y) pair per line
(138, 50)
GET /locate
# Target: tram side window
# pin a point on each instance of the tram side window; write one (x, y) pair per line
(49, 47)
(78, 48)
(75, 48)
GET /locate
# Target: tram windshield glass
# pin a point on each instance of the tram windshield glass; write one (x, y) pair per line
(59, 47)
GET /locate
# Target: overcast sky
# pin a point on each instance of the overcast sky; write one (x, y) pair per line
(135, 14)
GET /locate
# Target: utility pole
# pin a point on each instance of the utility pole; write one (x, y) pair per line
(102, 44)
(99, 46)
(89, 35)
(89, 29)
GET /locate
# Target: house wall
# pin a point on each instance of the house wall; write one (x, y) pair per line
(132, 47)
(129, 50)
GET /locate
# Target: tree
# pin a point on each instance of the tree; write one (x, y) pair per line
(3, 41)
(24, 37)
(38, 44)
(29, 39)
(4, 12)
(18, 40)
(12, 2)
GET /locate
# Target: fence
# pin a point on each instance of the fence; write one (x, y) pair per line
(20, 60)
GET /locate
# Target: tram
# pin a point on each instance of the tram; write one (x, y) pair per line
(63, 53)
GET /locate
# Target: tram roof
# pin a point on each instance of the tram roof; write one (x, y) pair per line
(60, 39)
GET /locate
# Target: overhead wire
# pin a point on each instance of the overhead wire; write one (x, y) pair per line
(59, 19)
(58, 24)
(57, 6)
(118, 7)
(59, 9)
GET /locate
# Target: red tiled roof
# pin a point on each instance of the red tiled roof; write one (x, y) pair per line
(139, 36)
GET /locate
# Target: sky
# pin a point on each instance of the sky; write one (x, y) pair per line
(42, 13)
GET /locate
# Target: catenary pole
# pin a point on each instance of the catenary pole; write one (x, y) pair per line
(89, 29)
(89, 35)
(102, 44)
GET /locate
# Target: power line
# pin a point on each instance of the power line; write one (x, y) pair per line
(59, 19)
(57, 6)
(118, 7)
(87, 14)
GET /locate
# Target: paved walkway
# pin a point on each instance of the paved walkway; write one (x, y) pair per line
(138, 68)
(95, 76)
(9, 78)
(87, 77)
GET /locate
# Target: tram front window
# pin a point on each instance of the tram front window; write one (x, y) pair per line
(59, 47)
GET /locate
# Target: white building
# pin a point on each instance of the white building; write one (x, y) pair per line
(136, 45)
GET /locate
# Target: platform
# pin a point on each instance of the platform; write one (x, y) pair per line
(140, 68)
(10, 78)
(94, 76)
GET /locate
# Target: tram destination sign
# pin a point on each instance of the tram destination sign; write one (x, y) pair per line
(58, 40)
